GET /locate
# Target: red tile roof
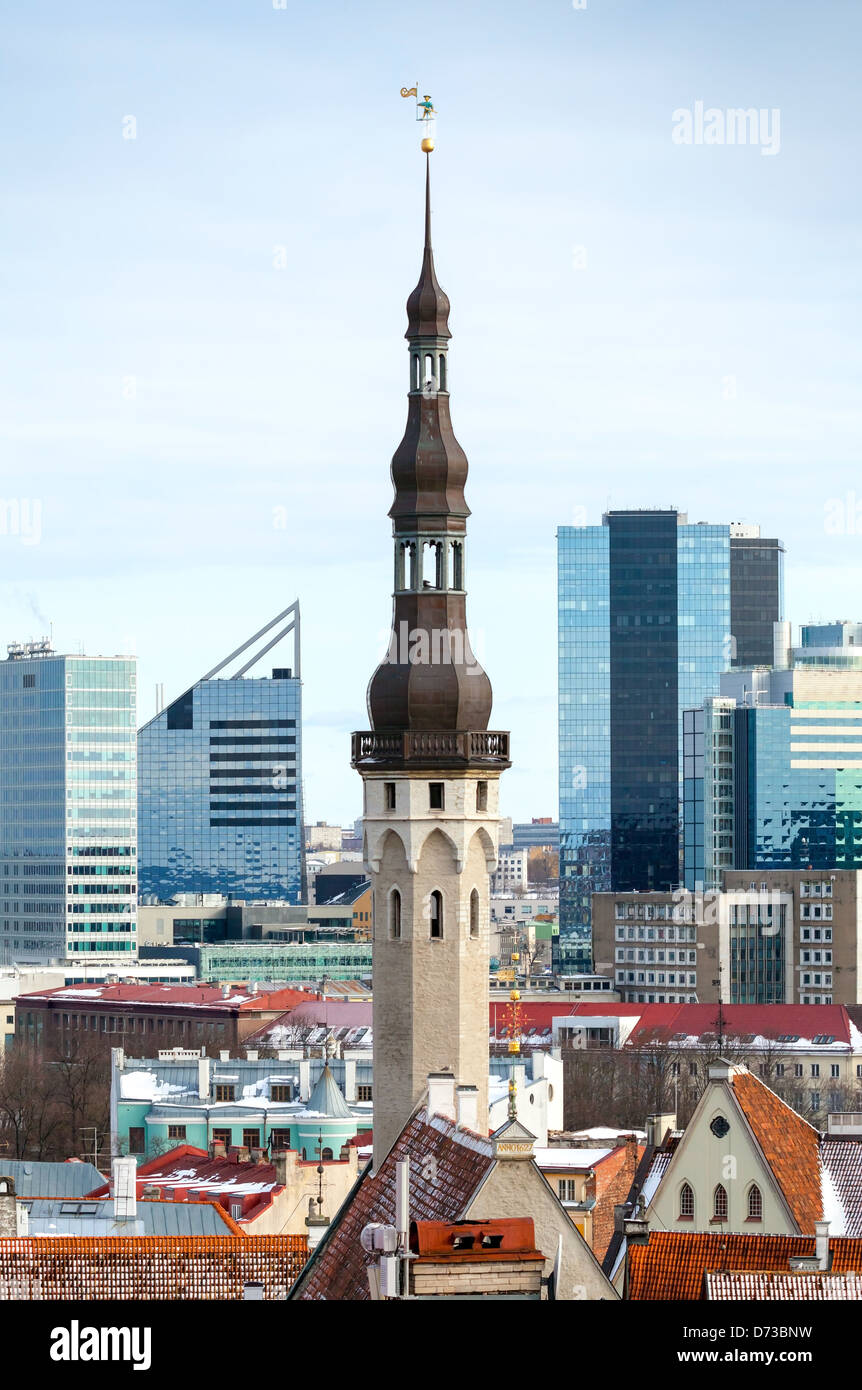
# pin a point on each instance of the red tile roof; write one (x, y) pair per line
(842, 1167)
(805, 1021)
(149, 1267)
(240, 999)
(446, 1167)
(742, 1286)
(187, 1170)
(672, 1264)
(789, 1144)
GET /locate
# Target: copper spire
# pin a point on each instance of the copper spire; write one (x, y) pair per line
(428, 305)
(429, 513)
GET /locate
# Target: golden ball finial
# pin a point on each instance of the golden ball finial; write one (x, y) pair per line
(427, 145)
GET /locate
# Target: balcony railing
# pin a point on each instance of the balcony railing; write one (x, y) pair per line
(431, 746)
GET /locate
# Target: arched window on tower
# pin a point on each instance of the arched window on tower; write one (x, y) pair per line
(416, 371)
(719, 1203)
(443, 386)
(429, 381)
(436, 905)
(457, 565)
(686, 1202)
(440, 565)
(395, 914)
(474, 913)
(326, 1156)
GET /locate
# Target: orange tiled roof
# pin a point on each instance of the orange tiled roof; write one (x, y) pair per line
(149, 1267)
(672, 1264)
(790, 1147)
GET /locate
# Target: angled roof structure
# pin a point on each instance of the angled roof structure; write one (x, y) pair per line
(69, 1180)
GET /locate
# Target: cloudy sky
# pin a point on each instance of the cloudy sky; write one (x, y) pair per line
(202, 367)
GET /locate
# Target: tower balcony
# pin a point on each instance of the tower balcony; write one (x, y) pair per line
(407, 748)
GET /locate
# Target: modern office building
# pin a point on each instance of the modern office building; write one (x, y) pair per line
(541, 833)
(645, 619)
(773, 766)
(220, 783)
(756, 594)
(68, 887)
(774, 936)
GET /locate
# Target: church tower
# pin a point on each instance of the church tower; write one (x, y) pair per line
(430, 766)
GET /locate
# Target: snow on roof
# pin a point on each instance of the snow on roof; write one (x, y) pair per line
(570, 1158)
(601, 1132)
(833, 1207)
(145, 1085)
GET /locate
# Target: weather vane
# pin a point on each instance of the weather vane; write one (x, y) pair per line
(425, 113)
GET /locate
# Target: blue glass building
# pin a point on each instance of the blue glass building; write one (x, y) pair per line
(67, 806)
(220, 786)
(644, 625)
(780, 756)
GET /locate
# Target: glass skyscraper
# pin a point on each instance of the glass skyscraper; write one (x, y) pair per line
(644, 624)
(781, 755)
(67, 806)
(756, 594)
(220, 787)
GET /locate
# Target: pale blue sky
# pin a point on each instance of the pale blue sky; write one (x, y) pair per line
(259, 388)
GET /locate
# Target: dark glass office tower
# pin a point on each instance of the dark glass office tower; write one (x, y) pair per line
(756, 594)
(220, 785)
(645, 604)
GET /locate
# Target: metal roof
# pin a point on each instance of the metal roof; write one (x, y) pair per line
(68, 1180)
(96, 1218)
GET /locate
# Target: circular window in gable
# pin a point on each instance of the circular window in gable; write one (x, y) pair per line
(719, 1126)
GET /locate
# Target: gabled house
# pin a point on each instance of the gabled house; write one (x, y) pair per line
(746, 1163)
(456, 1174)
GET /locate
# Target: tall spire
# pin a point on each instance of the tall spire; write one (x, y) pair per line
(413, 688)
(428, 305)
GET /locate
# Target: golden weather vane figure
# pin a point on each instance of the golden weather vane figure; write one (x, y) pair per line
(425, 113)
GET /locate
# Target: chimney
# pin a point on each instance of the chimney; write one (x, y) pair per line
(636, 1226)
(467, 1105)
(8, 1207)
(124, 1172)
(251, 1055)
(204, 1078)
(304, 1078)
(821, 1244)
(279, 1163)
(441, 1095)
(658, 1125)
(350, 1080)
(224, 1055)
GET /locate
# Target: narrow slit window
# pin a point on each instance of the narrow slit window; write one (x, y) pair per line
(474, 913)
(436, 915)
(395, 914)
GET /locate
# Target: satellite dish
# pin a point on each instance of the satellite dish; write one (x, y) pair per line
(366, 1239)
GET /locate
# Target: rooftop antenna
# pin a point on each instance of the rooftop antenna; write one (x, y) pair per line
(720, 1019)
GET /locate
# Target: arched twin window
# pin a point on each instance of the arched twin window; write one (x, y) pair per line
(436, 906)
(686, 1202)
(719, 1203)
(755, 1203)
(326, 1156)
